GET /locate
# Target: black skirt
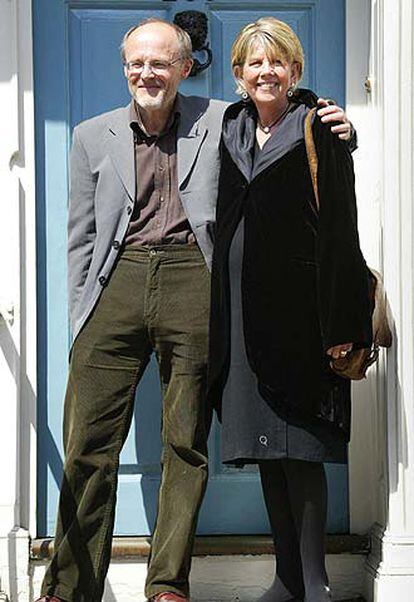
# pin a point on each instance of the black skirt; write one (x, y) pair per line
(252, 430)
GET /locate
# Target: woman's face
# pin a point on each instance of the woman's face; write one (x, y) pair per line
(267, 80)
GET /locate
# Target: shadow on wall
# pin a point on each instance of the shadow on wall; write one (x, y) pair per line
(26, 404)
(12, 358)
(392, 444)
(15, 40)
(396, 421)
(26, 422)
(7, 42)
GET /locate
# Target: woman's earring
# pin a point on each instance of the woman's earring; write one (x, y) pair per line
(244, 95)
(291, 92)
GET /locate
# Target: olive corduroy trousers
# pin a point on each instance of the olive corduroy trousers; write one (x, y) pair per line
(157, 299)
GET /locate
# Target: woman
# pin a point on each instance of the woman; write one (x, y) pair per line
(290, 291)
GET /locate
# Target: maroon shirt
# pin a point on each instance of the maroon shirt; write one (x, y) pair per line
(158, 217)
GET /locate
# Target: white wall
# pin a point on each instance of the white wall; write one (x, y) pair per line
(391, 563)
(365, 467)
(17, 297)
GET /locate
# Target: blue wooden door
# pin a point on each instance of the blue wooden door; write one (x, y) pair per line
(78, 74)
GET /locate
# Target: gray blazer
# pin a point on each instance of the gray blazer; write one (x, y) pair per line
(102, 192)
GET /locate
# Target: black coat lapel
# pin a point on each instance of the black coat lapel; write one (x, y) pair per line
(239, 131)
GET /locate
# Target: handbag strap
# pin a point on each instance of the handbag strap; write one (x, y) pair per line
(311, 154)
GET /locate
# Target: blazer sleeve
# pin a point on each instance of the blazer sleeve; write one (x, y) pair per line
(81, 221)
(343, 277)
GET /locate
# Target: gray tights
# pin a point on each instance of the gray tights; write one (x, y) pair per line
(295, 493)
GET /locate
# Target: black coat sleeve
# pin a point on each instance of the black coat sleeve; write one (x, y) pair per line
(343, 280)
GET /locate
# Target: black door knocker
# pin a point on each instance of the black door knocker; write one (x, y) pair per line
(195, 23)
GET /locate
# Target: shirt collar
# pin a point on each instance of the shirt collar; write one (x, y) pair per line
(137, 126)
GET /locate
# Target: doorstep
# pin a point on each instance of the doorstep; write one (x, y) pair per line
(224, 569)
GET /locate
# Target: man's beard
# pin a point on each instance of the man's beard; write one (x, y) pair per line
(146, 101)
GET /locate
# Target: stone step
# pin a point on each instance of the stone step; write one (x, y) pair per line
(224, 578)
(224, 569)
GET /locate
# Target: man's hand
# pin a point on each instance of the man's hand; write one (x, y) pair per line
(329, 112)
(339, 350)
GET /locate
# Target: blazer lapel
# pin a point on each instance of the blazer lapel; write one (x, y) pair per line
(190, 135)
(121, 149)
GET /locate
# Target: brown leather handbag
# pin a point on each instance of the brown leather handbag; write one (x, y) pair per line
(356, 363)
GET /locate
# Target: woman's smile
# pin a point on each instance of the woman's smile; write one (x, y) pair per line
(267, 85)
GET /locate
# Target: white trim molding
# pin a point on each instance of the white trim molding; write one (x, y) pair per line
(18, 359)
(391, 562)
(390, 574)
(365, 466)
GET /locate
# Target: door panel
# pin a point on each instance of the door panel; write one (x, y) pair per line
(78, 74)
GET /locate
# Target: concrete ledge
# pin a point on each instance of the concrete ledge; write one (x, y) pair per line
(218, 545)
(224, 578)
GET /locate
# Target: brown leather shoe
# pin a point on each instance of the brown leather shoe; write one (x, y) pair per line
(169, 597)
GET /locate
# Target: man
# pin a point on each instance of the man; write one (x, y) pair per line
(142, 204)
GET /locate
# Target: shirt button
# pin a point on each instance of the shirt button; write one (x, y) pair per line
(102, 280)
(160, 168)
(116, 244)
(161, 198)
(153, 252)
(263, 440)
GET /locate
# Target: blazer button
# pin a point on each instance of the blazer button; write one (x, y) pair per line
(129, 209)
(102, 280)
(116, 244)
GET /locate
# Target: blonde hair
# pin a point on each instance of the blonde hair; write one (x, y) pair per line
(184, 40)
(276, 38)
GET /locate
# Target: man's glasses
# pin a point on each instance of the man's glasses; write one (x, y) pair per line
(157, 67)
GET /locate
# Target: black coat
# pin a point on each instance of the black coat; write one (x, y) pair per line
(304, 279)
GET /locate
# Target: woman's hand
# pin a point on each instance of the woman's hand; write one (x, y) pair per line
(339, 350)
(330, 112)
